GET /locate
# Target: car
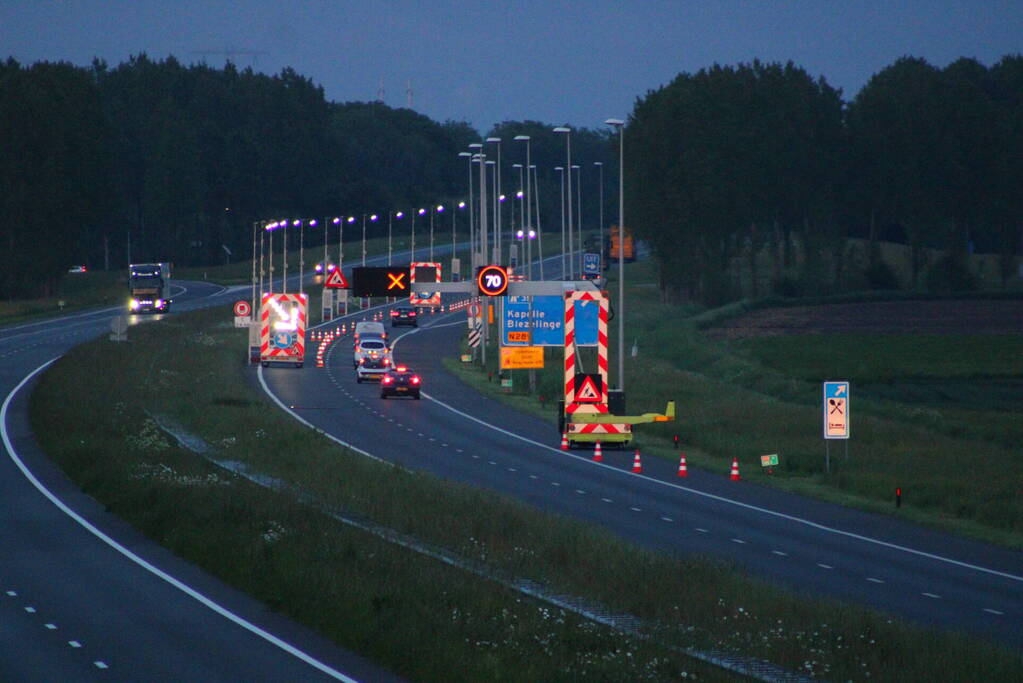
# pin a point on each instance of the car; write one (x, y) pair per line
(400, 381)
(404, 315)
(369, 328)
(370, 347)
(372, 368)
(325, 267)
(77, 269)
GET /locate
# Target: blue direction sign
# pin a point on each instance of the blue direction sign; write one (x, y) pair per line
(544, 321)
(591, 264)
(836, 410)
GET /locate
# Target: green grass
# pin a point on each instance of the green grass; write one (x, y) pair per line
(424, 619)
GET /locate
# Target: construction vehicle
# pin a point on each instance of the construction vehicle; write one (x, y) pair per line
(149, 287)
(612, 244)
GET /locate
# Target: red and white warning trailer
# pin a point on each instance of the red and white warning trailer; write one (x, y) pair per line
(282, 326)
(587, 418)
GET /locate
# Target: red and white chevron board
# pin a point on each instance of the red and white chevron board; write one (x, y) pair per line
(433, 300)
(269, 304)
(571, 406)
(585, 428)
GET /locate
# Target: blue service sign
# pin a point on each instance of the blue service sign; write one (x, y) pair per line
(545, 320)
(591, 264)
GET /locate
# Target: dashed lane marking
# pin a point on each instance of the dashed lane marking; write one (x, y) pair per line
(933, 596)
(873, 580)
(739, 541)
(780, 553)
(993, 611)
(824, 566)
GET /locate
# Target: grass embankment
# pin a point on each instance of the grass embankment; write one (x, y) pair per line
(937, 415)
(76, 291)
(422, 618)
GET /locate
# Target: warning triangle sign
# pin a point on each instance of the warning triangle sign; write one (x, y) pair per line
(336, 280)
(587, 391)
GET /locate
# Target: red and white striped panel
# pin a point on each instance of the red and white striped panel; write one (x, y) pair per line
(412, 298)
(570, 352)
(296, 351)
(584, 428)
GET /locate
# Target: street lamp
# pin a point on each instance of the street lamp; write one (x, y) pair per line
(372, 217)
(472, 222)
(390, 214)
(439, 209)
(417, 212)
(600, 166)
(561, 171)
(536, 208)
(497, 206)
(620, 313)
(568, 164)
(340, 241)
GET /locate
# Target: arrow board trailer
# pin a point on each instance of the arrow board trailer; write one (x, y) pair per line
(282, 319)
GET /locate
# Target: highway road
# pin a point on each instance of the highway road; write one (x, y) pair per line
(927, 576)
(84, 597)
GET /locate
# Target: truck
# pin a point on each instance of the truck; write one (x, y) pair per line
(149, 287)
(629, 252)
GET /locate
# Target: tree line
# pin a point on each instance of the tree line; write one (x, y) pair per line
(742, 179)
(735, 169)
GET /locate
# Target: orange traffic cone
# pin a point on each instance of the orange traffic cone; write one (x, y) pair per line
(564, 441)
(637, 467)
(682, 471)
(598, 456)
(735, 470)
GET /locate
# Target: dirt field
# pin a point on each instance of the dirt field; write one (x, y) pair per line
(925, 317)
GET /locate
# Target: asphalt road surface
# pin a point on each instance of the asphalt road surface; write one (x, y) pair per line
(821, 549)
(84, 597)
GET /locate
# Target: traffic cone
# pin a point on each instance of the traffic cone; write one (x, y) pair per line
(597, 455)
(637, 467)
(734, 476)
(682, 471)
(564, 441)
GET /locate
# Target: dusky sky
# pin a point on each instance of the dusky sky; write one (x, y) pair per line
(485, 62)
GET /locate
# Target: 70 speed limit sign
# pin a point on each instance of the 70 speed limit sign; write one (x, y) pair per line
(492, 280)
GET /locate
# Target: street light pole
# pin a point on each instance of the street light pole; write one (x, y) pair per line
(620, 313)
(600, 165)
(579, 214)
(564, 270)
(536, 208)
(468, 156)
(497, 201)
(568, 165)
(529, 219)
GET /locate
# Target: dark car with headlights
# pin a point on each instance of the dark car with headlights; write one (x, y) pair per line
(400, 381)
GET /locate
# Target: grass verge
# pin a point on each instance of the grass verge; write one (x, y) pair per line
(424, 619)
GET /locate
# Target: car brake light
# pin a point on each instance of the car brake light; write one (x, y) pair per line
(401, 368)
(415, 379)
(411, 314)
(387, 361)
(394, 314)
(387, 380)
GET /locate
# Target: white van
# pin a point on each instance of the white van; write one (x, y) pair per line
(369, 328)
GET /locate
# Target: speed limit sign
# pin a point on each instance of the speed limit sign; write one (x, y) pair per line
(492, 280)
(242, 309)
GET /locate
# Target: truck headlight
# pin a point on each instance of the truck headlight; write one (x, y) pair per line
(159, 303)
(133, 304)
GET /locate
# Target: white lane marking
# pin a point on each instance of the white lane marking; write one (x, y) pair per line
(580, 492)
(824, 566)
(739, 541)
(607, 500)
(180, 585)
(101, 665)
(931, 595)
(702, 531)
(533, 476)
(873, 580)
(491, 462)
(13, 594)
(554, 483)
(74, 643)
(51, 627)
(993, 611)
(779, 553)
(667, 519)
(30, 609)
(636, 509)
(730, 501)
